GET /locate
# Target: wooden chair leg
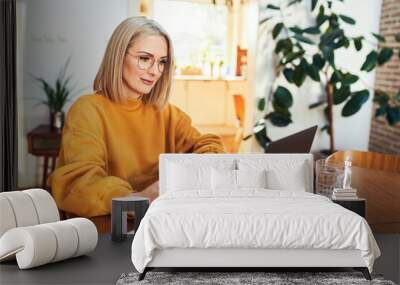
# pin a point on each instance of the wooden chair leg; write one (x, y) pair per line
(45, 170)
(53, 163)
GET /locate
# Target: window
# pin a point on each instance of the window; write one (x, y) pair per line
(203, 41)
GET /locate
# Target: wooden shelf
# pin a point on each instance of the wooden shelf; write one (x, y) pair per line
(209, 78)
(221, 130)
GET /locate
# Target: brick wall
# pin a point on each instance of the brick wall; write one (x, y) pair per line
(383, 137)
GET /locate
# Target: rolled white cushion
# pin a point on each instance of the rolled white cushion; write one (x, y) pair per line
(45, 205)
(67, 240)
(26, 208)
(40, 244)
(87, 235)
(23, 208)
(33, 246)
(7, 218)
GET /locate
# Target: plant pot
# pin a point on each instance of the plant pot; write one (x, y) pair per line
(57, 120)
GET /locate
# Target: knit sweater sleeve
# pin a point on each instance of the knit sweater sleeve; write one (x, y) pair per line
(189, 140)
(81, 184)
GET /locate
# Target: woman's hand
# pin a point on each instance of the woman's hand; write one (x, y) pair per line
(152, 191)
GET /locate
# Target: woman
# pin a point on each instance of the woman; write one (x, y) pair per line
(112, 139)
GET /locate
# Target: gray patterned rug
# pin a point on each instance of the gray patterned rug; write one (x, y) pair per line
(242, 278)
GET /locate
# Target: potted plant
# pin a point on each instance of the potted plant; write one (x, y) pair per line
(310, 52)
(57, 96)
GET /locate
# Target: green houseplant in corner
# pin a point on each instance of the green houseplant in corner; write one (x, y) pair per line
(57, 96)
(310, 52)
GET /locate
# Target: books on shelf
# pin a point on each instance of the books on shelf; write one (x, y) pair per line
(344, 194)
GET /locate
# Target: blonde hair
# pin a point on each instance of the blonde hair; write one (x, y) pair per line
(108, 80)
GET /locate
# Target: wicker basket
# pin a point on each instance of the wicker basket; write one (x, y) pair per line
(329, 175)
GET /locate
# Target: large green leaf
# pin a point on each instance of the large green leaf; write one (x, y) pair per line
(348, 78)
(361, 95)
(393, 115)
(325, 128)
(273, 7)
(276, 30)
(346, 42)
(381, 111)
(340, 42)
(381, 97)
(296, 30)
(304, 64)
(384, 55)
(330, 36)
(262, 21)
(340, 95)
(303, 39)
(299, 75)
(288, 73)
(316, 104)
(379, 37)
(333, 21)
(283, 97)
(328, 54)
(284, 45)
(280, 109)
(321, 20)
(312, 31)
(370, 61)
(321, 17)
(293, 55)
(347, 19)
(293, 2)
(355, 103)
(313, 72)
(336, 77)
(358, 43)
(318, 61)
(279, 120)
(313, 4)
(261, 104)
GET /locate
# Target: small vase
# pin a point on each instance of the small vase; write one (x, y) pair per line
(57, 120)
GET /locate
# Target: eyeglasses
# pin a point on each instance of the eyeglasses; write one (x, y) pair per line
(145, 62)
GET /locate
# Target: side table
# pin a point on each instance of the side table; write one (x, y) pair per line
(358, 205)
(45, 142)
(119, 210)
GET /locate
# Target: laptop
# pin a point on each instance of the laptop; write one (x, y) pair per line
(300, 142)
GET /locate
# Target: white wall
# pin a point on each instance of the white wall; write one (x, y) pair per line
(52, 31)
(351, 132)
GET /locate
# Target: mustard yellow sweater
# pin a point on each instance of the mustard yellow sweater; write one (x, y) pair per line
(110, 150)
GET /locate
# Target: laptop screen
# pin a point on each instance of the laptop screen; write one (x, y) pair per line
(300, 142)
